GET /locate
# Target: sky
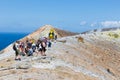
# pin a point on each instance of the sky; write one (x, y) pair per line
(71, 15)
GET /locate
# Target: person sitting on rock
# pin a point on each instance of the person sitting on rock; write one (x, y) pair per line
(30, 52)
(34, 46)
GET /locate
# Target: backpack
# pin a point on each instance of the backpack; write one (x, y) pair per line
(14, 47)
(51, 35)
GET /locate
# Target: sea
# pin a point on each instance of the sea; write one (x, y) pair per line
(7, 38)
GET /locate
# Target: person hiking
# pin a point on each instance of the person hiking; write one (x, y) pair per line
(16, 47)
(43, 47)
(49, 43)
(55, 37)
(51, 35)
(38, 46)
(22, 48)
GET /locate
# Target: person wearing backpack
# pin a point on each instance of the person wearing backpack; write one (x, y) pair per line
(51, 35)
(16, 48)
(22, 48)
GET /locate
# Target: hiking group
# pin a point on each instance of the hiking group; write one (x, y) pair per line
(31, 47)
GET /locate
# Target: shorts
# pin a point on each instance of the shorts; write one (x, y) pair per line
(43, 49)
(40, 49)
(17, 52)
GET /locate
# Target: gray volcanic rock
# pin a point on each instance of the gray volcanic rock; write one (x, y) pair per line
(91, 56)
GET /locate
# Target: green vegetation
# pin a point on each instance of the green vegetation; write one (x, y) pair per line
(113, 35)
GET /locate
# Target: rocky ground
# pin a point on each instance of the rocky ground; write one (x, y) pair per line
(90, 56)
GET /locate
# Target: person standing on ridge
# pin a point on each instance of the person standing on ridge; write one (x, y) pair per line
(55, 37)
(51, 34)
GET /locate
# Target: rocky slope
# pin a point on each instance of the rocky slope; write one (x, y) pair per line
(90, 56)
(44, 31)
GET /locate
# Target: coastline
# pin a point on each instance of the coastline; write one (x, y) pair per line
(8, 38)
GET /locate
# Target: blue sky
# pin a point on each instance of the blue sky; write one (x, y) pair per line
(72, 15)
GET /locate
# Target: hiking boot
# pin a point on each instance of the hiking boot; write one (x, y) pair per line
(44, 55)
(19, 59)
(16, 59)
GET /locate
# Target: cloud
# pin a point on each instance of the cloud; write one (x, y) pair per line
(83, 23)
(93, 24)
(110, 24)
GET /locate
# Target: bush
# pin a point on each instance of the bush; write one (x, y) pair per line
(114, 35)
(80, 39)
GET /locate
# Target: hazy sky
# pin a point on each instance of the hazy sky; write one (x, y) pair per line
(73, 15)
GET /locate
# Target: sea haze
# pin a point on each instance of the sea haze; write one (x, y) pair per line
(8, 38)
